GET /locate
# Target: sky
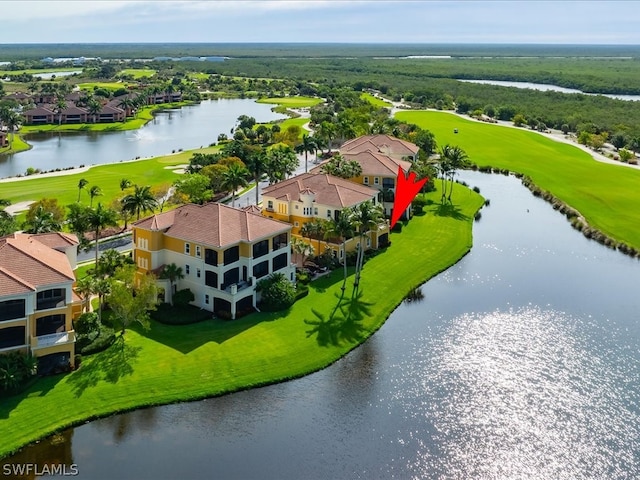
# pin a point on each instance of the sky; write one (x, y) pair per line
(376, 21)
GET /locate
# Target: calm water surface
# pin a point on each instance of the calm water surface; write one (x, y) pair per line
(555, 88)
(521, 362)
(186, 128)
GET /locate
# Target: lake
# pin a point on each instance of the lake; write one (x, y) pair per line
(521, 361)
(184, 128)
(546, 88)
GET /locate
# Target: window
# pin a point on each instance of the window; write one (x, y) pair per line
(211, 279)
(368, 242)
(12, 337)
(296, 207)
(12, 309)
(50, 324)
(198, 253)
(260, 248)
(143, 243)
(230, 277)
(341, 253)
(328, 213)
(187, 249)
(210, 257)
(279, 262)
(143, 263)
(231, 255)
(52, 298)
(315, 210)
(376, 180)
(187, 268)
(261, 269)
(206, 299)
(280, 241)
(306, 211)
(198, 272)
(366, 180)
(270, 205)
(296, 224)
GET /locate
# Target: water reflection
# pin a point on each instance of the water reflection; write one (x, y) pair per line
(521, 394)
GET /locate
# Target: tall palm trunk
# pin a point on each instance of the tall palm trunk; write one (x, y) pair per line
(344, 263)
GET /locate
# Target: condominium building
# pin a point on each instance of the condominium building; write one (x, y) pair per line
(37, 301)
(222, 251)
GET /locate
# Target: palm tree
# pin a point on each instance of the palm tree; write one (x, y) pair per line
(85, 287)
(140, 200)
(124, 184)
(302, 248)
(342, 227)
(81, 184)
(43, 222)
(456, 158)
(257, 165)
(172, 273)
(99, 218)
(366, 216)
(313, 229)
(94, 107)
(102, 288)
(327, 131)
(233, 178)
(94, 191)
(307, 146)
(60, 106)
(11, 120)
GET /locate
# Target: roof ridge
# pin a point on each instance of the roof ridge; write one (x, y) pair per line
(42, 262)
(16, 278)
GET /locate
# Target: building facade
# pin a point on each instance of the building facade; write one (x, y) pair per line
(37, 301)
(316, 196)
(223, 253)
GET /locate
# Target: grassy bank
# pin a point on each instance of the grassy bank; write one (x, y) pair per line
(606, 195)
(107, 177)
(291, 102)
(18, 145)
(375, 101)
(175, 363)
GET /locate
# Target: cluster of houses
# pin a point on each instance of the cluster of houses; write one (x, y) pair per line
(42, 109)
(223, 251)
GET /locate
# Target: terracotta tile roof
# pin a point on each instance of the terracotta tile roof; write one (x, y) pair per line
(252, 209)
(213, 224)
(378, 164)
(56, 240)
(13, 285)
(384, 143)
(32, 263)
(329, 190)
(110, 109)
(38, 111)
(74, 110)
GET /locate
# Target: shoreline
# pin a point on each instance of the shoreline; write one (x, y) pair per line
(28, 419)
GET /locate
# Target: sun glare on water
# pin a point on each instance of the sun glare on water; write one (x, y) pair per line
(526, 394)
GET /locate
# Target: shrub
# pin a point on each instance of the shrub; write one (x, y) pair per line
(397, 227)
(86, 345)
(476, 189)
(301, 291)
(182, 297)
(277, 292)
(86, 324)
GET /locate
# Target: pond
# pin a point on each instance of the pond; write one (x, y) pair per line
(184, 128)
(545, 88)
(521, 361)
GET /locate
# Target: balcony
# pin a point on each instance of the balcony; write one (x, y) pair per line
(235, 288)
(53, 339)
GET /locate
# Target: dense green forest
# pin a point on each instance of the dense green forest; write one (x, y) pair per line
(422, 82)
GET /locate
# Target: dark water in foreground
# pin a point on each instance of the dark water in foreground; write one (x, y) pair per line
(521, 362)
(186, 128)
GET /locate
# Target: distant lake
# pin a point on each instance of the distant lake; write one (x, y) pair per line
(184, 128)
(543, 87)
(49, 75)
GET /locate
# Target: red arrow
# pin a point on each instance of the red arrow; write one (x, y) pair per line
(406, 190)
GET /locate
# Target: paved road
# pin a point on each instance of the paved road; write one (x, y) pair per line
(119, 244)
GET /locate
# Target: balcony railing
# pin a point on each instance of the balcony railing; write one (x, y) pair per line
(53, 339)
(238, 287)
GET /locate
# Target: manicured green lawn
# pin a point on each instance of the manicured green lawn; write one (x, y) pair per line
(174, 363)
(292, 102)
(138, 72)
(375, 101)
(607, 195)
(107, 177)
(105, 85)
(17, 145)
